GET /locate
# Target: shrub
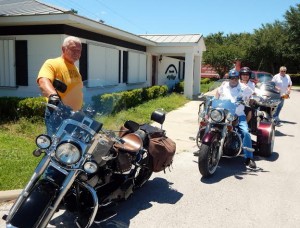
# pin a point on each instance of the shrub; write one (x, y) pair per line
(295, 79)
(9, 108)
(179, 87)
(205, 80)
(115, 102)
(30, 107)
(13, 108)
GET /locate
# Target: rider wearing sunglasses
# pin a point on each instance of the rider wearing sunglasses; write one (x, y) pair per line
(235, 91)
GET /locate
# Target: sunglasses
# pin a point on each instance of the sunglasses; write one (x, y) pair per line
(282, 71)
(234, 78)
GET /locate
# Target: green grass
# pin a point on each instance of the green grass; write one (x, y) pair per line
(17, 139)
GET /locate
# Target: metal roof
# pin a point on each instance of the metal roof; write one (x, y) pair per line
(189, 38)
(27, 7)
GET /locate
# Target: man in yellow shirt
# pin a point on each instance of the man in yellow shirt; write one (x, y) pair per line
(64, 69)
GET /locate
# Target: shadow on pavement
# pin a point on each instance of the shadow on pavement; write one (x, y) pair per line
(157, 190)
(279, 133)
(235, 167)
(287, 122)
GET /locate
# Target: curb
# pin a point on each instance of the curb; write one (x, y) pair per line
(9, 195)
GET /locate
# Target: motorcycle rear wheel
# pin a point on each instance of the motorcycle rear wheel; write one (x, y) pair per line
(208, 159)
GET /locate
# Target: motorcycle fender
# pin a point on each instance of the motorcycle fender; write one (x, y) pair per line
(35, 205)
(264, 132)
(208, 138)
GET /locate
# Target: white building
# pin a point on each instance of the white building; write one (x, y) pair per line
(31, 32)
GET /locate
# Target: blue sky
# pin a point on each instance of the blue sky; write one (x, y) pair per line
(181, 17)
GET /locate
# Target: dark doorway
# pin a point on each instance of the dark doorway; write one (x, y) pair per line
(154, 70)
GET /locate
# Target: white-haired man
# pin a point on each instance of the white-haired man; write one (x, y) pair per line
(64, 69)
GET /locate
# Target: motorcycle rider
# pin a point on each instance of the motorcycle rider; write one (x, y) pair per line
(245, 74)
(283, 83)
(236, 91)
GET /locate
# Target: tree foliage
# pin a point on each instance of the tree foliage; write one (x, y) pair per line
(223, 50)
(269, 47)
(292, 53)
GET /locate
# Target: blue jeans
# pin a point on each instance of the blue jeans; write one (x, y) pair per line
(278, 109)
(246, 138)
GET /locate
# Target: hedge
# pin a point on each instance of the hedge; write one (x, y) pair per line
(115, 102)
(13, 108)
(295, 79)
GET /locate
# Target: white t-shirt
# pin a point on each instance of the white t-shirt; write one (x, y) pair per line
(241, 90)
(282, 82)
(251, 85)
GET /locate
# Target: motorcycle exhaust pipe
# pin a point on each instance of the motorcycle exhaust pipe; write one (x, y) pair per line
(248, 149)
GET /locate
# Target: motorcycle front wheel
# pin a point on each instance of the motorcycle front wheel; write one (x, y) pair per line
(208, 159)
(31, 211)
(199, 136)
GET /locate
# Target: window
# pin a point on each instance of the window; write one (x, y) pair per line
(13, 63)
(103, 65)
(137, 69)
(7, 63)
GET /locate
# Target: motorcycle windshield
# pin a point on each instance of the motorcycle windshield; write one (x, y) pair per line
(224, 104)
(267, 90)
(65, 114)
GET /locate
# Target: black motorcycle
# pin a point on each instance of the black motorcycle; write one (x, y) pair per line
(85, 169)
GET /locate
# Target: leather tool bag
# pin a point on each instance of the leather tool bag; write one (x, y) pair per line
(162, 150)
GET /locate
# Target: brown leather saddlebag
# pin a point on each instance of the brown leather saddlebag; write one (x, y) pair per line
(162, 150)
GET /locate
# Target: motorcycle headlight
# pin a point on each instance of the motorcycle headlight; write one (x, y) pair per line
(43, 141)
(90, 167)
(68, 153)
(217, 115)
(230, 117)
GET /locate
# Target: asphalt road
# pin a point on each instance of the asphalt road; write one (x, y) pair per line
(233, 197)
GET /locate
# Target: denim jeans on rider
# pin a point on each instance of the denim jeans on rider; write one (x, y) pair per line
(278, 110)
(246, 138)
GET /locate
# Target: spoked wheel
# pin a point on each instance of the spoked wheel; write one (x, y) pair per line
(144, 172)
(266, 149)
(208, 159)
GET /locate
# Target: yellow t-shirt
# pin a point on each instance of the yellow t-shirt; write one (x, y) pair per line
(68, 73)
